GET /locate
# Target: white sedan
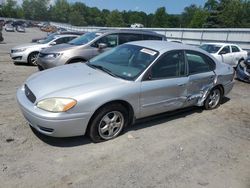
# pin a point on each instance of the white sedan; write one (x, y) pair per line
(27, 53)
(231, 54)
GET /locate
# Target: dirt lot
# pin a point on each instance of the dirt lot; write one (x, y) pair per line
(190, 148)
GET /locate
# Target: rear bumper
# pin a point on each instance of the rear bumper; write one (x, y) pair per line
(52, 124)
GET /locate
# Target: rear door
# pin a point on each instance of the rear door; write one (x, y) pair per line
(237, 55)
(201, 75)
(164, 85)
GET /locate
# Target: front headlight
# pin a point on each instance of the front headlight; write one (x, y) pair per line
(18, 50)
(56, 104)
(53, 55)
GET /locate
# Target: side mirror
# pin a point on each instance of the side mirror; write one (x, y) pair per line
(53, 43)
(102, 46)
(222, 52)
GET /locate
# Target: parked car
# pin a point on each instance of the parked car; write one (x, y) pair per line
(20, 29)
(243, 70)
(231, 54)
(59, 33)
(129, 82)
(90, 45)
(136, 25)
(27, 53)
(9, 28)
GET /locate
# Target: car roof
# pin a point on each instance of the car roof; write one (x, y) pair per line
(220, 43)
(163, 45)
(65, 35)
(135, 31)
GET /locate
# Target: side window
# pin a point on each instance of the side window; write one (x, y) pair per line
(235, 49)
(151, 37)
(169, 65)
(225, 50)
(129, 37)
(199, 63)
(60, 40)
(110, 40)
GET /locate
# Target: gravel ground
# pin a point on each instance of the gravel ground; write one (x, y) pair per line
(188, 148)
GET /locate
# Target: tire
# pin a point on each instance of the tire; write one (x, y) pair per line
(32, 58)
(108, 122)
(213, 99)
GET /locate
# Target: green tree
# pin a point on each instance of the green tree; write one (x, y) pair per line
(188, 15)
(60, 11)
(115, 19)
(35, 9)
(9, 9)
(199, 19)
(160, 18)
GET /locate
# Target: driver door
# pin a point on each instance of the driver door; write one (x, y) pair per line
(226, 55)
(111, 41)
(164, 85)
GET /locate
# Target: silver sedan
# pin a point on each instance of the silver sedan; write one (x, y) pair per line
(132, 81)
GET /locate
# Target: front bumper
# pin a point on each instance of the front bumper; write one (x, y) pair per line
(19, 57)
(47, 63)
(242, 74)
(52, 124)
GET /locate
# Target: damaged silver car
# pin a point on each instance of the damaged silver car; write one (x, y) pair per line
(132, 81)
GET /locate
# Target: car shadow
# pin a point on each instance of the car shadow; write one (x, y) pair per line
(63, 142)
(139, 124)
(23, 64)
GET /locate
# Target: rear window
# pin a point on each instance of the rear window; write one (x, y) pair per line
(151, 37)
(129, 37)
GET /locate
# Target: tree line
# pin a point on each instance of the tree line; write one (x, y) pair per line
(214, 14)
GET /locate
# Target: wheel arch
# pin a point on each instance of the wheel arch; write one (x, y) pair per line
(124, 103)
(76, 59)
(28, 56)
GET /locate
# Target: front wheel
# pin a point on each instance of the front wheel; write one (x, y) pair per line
(32, 58)
(108, 123)
(213, 99)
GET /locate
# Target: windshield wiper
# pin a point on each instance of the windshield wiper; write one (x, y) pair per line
(103, 69)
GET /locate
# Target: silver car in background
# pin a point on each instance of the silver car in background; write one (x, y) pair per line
(129, 82)
(27, 53)
(90, 45)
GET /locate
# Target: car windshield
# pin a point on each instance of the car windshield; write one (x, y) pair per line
(210, 48)
(84, 39)
(126, 61)
(47, 40)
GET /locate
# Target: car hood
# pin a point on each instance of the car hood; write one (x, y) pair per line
(70, 81)
(59, 48)
(31, 45)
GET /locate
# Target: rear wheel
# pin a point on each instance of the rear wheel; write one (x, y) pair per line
(32, 58)
(213, 99)
(108, 122)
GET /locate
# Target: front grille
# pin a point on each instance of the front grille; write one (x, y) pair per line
(29, 94)
(42, 55)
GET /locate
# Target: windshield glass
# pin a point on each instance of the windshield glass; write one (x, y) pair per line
(47, 40)
(125, 61)
(210, 48)
(84, 39)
